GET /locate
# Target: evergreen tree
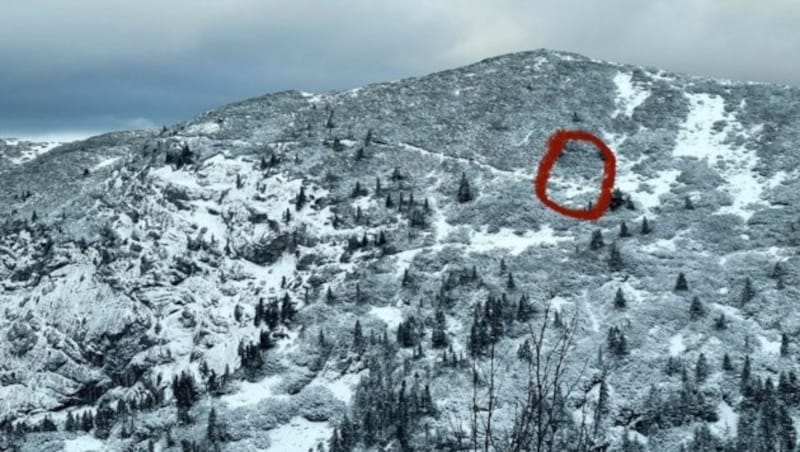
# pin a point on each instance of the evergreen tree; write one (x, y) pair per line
(687, 203)
(623, 230)
(464, 191)
(744, 378)
(69, 424)
(617, 197)
(701, 369)
(510, 283)
(720, 322)
(87, 421)
(358, 338)
(727, 365)
(784, 344)
(300, 201)
(747, 291)
(329, 123)
(597, 240)
(439, 335)
(523, 309)
(615, 258)
(696, 309)
(601, 410)
(680, 283)
(646, 228)
(329, 295)
(619, 300)
(213, 433)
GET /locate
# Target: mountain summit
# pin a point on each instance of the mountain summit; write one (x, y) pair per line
(370, 270)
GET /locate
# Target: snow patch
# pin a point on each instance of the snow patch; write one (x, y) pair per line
(105, 163)
(84, 443)
(698, 138)
(676, 345)
(728, 420)
(514, 242)
(203, 128)
(390, 315)
(252, 393)
(768, 346)
(629, 96)
(299, 435)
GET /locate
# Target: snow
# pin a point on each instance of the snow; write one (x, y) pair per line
(768, 346)
(736, 165)
(728, 420)
(661, 247)
(252, 393)
(525, 140)
(298, 435)
(84, 443)
(342, 388)
(729, 311)
(203, 128)
(390, 315)
(676, 345)
(659, 185)
(105, 163)
(34, 151)
(629, 96)
(515, 243)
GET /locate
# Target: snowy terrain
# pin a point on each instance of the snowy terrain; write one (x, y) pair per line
(333, 271)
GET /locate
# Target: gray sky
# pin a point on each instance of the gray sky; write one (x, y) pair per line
(82, 66)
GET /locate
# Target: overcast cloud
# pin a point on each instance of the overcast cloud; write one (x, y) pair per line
(85, 66)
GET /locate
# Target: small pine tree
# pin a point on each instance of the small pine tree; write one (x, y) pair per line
(646, 228)
(300, 201)
(329, 296)
(510, 283)
(681, 284)
(597, 240)
(619, 300)
(212, 428)
(358, 338)
(623, 230)
(615, 258)
(744, 377)
(69, 424)
(696, 309)
(701, 369)
(747, 291)
(784, 344)
(727, 365)
(720, 322)
(464, 191)
(368, 138)
(329, 123)
(687, 203)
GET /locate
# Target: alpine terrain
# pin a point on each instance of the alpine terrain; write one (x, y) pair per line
(370, 270)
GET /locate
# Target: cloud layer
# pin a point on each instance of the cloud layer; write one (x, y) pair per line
(106, 64)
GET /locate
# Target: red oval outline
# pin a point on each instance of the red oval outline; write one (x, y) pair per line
(555, 146)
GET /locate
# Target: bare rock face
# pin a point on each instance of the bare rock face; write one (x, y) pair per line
(340, 268)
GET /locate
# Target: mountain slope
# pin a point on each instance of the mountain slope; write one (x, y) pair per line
(129, 258)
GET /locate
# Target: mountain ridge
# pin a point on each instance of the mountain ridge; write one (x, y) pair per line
(132, 257)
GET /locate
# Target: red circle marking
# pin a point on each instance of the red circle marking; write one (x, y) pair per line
(555, 146)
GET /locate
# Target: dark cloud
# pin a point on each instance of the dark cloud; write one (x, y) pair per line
(98, 65)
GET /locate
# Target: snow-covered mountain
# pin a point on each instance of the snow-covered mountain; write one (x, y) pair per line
(370, 270)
